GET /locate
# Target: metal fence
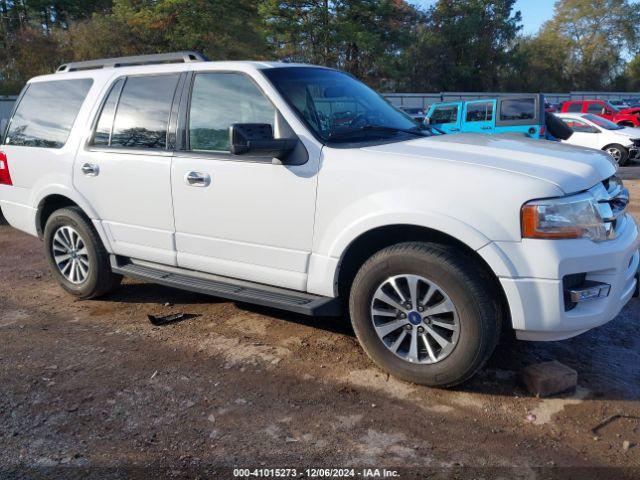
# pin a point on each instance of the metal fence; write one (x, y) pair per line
(423, 100)
(409, 100)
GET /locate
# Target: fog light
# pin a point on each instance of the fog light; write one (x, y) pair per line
(589, 291)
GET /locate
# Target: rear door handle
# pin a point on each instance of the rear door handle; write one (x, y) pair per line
(197, 179)
(454, 129)
(487, 127)
(90, 169)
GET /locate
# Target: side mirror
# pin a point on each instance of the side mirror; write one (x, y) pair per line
(257, 139)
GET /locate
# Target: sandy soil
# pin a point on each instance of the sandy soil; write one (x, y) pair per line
(92, 389)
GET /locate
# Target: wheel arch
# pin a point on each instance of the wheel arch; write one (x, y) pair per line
(47, 206)
(55, 200)
(376, 239)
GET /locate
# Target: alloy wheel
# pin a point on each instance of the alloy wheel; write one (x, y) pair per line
(70, 254)
(415, 319)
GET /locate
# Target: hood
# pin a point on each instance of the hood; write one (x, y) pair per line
(629, 133)
(631, 111)
(570, 168)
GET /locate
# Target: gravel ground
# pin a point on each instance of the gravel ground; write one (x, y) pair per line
(90, 389)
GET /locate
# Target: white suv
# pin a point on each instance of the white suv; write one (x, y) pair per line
(299, 188)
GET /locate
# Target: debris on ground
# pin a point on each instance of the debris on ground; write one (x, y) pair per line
(164, 319)
(549, 378)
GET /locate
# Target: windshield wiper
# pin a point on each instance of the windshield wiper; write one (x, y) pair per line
(346, 134)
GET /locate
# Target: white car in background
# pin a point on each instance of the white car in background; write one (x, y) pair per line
(593, 131)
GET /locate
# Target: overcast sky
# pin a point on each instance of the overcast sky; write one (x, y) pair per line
(534, 12)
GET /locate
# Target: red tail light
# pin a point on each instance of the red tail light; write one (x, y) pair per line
(543, 130)
(5, 177)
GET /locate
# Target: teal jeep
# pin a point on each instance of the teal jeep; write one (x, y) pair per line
(510, 113)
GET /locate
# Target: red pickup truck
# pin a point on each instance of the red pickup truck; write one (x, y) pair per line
(628, 117)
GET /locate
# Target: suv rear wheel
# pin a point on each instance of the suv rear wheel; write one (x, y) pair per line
(426, 313)
(76, 255)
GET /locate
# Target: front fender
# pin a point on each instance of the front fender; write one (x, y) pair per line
(380, 210)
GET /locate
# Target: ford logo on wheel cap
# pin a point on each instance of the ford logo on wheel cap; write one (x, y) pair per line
(415, 318)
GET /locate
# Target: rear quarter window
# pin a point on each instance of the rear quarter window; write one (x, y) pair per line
(518, 109)
(46, 112)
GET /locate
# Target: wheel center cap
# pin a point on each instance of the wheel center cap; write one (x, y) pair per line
(414, 318)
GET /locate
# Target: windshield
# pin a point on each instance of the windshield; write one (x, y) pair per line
(614, 109)
(339, 108)
(602, 122)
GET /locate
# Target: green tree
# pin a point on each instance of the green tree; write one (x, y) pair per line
(363, 37)
(302, 30)
(537, 64)
(372, 35)
(595, 35)
(630, 78)
(222, 29)
(463, 45)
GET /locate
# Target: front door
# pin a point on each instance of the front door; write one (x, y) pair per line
(238, 216)
(479, 116)
(584, 134)
(125, 170)
(445, 116)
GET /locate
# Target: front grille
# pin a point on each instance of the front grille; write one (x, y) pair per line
(612, 203)
(636, 142)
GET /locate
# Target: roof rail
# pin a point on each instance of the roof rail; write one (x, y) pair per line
(158, 58)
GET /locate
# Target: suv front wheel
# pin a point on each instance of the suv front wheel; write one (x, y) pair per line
(426, 313)
(619, 154)
(76, 255)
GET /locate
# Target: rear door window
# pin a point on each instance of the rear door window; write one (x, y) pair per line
(595, 108)
(142, 112)
(102, 135)
(479, 111)
(46, 113)
(575, 107)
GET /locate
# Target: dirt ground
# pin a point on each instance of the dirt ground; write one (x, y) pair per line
(90, 389)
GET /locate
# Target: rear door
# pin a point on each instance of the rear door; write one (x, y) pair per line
(479, 116)
(446, 116)
(124, 170)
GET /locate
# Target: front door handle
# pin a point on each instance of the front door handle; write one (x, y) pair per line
(197, 179)
(90, 169)
(486, 127)
(454, 129)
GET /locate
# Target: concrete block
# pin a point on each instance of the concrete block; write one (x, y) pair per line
(549, 378)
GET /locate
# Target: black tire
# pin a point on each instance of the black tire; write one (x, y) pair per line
(622, 153)
(100, 280)
(469, 287)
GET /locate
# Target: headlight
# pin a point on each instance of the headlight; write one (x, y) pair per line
(575, 216)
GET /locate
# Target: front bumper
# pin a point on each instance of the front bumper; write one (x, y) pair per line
(535, 290)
